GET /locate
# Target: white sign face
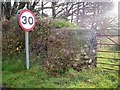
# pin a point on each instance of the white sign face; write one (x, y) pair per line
(27, 20)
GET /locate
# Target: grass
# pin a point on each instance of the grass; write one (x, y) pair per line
(15, 75)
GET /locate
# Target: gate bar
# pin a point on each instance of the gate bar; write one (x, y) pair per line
(110, 69)
(107, 64)
(108, 35)
(108, 58)
(108, 51)
(106, 44)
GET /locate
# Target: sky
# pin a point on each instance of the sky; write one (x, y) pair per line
(113, 11)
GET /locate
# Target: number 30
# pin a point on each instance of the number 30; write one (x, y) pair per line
(27, 20)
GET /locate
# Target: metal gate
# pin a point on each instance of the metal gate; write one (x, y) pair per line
(108, 50)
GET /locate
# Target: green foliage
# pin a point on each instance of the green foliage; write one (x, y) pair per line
(20, 63)
(95, 78)
(58, 23)
(36, 77)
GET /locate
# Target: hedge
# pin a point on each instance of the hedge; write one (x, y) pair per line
(57, 49)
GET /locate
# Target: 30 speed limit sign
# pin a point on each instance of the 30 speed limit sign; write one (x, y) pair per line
(27, 20)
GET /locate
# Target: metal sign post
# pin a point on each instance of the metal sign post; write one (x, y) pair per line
(27, 49)
(27, 22)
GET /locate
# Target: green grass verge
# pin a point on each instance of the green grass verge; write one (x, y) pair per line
(15, 75)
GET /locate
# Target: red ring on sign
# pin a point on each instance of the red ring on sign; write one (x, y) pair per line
(19, 20)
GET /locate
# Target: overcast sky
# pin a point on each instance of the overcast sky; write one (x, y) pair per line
(113, 11)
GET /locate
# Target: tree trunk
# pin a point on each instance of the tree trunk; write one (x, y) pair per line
(42, 5)
(72, 16)
(0, 10)
(53, 9)
(21, 5)
(8, 10)
(14, 9)
(77, 17)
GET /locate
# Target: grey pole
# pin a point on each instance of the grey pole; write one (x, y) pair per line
(27, 49)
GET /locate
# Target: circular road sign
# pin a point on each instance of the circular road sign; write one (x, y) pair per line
(27, 20)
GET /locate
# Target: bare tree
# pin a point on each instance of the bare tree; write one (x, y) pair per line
(53, 9)
(8, 10)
